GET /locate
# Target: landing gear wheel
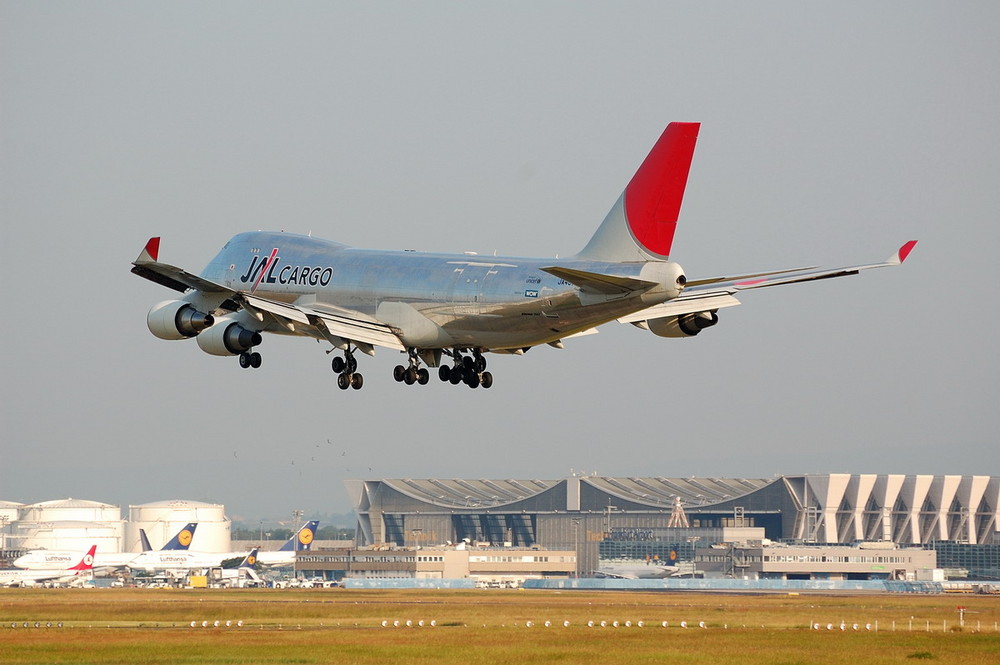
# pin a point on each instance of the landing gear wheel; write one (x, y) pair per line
(255, 360)
(444, 373)
(245, 360)
(338, 365)
(343, 381)
(456, 375)
(399, 373)
(472, 380)
(410, 376)
(487, 379)
(423, 376)
(479, 364)
(352, 364)
(357, 381)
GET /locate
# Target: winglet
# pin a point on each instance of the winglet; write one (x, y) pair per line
(150, 252)
(902, 253)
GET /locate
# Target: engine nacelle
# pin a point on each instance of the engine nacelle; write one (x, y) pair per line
(176, 319)
(228, 338)
(685, 325)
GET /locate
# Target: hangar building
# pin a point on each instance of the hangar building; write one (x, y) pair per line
(581, 511)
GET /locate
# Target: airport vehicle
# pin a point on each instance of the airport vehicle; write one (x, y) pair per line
(103, 561)
(435, 306)
(81, 572)
(285, 555)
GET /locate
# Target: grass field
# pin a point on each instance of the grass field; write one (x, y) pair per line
(483, 626)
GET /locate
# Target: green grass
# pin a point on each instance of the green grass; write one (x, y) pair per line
(340, 626)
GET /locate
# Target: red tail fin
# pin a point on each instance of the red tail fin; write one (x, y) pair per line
(642, 222)
(653, 197)
(87, 562)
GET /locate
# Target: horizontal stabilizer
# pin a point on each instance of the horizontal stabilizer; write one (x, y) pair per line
(681, 306)
(592, 282)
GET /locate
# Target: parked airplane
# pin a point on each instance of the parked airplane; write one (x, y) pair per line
(103, 561)
(177, 555)
(245, 573)
(301, 540)
(460, 305)
(73, 574)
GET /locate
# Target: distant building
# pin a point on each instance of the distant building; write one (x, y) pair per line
(580, 512)
(879, 561)
(499, 566)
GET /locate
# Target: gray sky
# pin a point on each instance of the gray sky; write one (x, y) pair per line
(831, 134)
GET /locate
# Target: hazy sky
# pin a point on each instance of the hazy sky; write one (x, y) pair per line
(831, 135)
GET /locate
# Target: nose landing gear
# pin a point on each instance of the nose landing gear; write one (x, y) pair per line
(250, 359)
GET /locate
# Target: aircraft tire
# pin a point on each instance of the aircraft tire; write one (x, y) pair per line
(343, 381)
(480, 364)
(357, 381)
(423, 376)
(472, 380)
(255, 360)
(399, 373)
(456, 376)
(245, 360)
(487, 379)
(338, 365)
(410, 377)
(444, 373)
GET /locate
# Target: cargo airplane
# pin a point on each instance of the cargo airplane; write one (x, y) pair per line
(446, 311)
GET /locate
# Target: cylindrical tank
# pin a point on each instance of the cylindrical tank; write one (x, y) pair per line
(69, 535)
(161, 521)
(73, 510)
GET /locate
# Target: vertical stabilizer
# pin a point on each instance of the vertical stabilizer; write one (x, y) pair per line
(182, 540)
(641, 225)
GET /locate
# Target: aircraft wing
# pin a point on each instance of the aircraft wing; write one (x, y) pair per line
(715, 293)
(338, 322)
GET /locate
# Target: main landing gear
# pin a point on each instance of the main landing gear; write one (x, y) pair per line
(414, 373)
(470, 370)
(346, 368)
(249, 359)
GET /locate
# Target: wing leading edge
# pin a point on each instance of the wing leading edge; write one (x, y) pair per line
(709, 295)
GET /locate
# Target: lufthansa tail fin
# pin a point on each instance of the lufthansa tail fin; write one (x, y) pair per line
(641, 225)
(251, 560)
(301, 539)
(182, 540)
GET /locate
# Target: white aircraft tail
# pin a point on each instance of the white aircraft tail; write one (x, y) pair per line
(641, 225)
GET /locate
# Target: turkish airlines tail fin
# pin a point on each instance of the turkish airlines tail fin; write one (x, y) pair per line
(87, 562)
(641, 225)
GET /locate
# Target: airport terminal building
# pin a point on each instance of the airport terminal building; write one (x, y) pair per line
(583, 513)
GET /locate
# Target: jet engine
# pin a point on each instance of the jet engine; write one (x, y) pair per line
(176, 319)
(685, 325)
(228, 338)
